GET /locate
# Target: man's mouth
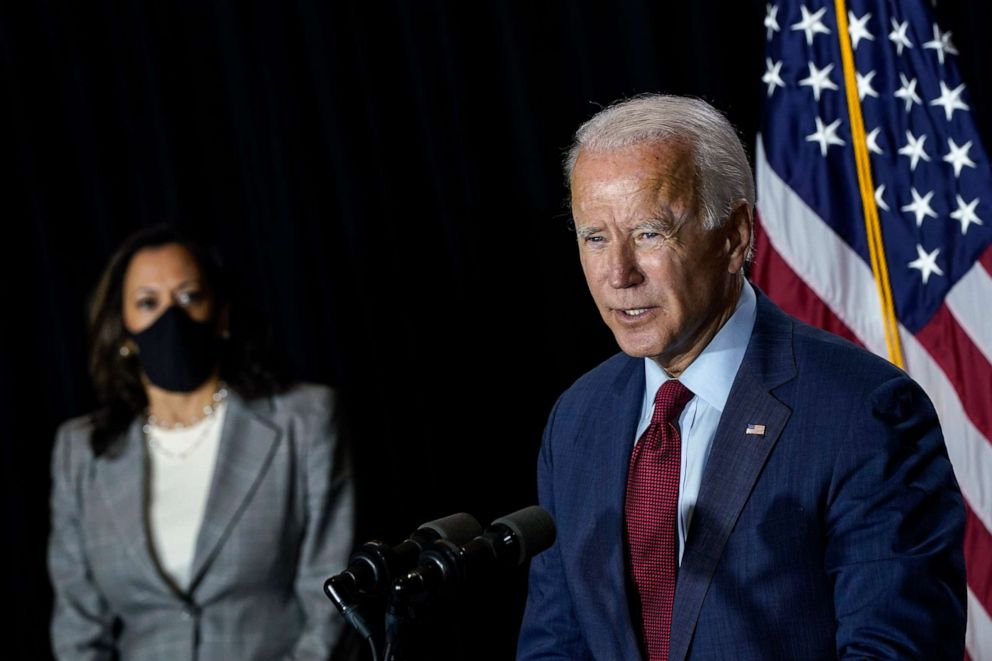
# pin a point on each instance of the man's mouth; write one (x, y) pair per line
(634, 313)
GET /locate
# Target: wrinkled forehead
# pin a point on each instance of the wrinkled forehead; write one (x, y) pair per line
(661, 170)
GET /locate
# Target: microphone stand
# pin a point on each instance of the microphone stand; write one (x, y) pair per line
(399, 615)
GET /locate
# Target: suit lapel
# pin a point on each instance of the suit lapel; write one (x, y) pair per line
(247, 444)
(123, 486)
(613, 426)
(734, 464)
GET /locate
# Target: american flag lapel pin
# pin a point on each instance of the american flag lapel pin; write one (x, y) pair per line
(757, 430)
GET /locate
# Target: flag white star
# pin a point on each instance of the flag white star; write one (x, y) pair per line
(941, 43)
(920, 206)
(825, 135)
(811, 24)
(898, 36)
(879, 192)
(771, 19)
(926, 263)
(914, 149)
(950, 99)
(958, 156)
(818, 79)
(908, 92)
(966, 214)
(772, 76)
(872, 140)
(864, 85)
(857, 28)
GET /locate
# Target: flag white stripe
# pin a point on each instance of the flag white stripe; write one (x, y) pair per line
(978, 640)
(817, 254)
(969, 301)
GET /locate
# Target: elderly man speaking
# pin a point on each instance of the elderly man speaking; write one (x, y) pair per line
(735, 484)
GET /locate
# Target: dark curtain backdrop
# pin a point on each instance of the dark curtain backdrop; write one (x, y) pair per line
(384, 179)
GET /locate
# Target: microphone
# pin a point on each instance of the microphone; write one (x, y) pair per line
(374, 566)
(509, 541)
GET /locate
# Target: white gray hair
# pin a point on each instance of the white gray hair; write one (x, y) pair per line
(723, 173)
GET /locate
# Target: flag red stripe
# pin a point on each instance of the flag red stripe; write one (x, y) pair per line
(777, 279)
(978, 545)
(965, 365)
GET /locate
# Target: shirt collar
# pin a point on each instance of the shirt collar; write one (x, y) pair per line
(712, 373)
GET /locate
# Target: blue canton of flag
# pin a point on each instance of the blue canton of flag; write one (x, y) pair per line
(931, 173)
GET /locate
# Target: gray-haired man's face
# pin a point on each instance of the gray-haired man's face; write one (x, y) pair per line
(662, 284)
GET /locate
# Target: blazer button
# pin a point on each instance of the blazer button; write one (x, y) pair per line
(188, 612)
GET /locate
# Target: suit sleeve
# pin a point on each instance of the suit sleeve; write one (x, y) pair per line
(894, 529)
(329, 530)
(549, 629)
(82, 622)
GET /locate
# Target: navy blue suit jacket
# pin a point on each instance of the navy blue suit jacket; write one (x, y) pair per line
(837, 533)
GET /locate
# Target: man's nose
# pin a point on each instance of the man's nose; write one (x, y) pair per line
(624, 270)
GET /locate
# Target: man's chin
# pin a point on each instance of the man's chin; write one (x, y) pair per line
(637, 349)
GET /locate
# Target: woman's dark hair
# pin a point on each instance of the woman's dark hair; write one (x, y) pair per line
(245, 360)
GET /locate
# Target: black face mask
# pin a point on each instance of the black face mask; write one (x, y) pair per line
(177, 353)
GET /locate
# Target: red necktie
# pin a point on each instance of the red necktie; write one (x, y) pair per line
(651, 510)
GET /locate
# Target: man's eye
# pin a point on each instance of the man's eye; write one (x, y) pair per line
(650, 235)
(594, 239)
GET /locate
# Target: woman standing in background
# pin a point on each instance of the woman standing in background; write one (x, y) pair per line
(197, 514)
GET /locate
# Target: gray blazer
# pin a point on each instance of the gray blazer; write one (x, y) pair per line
(278, 522)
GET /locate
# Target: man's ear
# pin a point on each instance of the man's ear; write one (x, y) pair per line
(737, 232)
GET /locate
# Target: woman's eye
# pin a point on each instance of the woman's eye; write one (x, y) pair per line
(185, 298)
(147, 303)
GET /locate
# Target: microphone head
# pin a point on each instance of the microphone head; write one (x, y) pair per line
(534, 529)
(458, 528)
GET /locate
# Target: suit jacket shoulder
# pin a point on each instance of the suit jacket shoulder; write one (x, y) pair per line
(585, 395)
(837, 361)
(73, 452)
(305, 397)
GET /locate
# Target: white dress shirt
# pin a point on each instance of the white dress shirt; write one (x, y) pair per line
(709, 377)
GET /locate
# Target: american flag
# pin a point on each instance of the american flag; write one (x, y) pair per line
(875, 206)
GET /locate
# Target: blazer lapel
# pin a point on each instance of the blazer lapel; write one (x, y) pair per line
(123, 485)
(734, 464)
(247, 444)
(613, 427)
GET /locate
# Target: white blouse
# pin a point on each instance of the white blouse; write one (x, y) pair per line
(181, 468)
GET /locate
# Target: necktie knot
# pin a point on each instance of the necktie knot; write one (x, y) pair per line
(669, 401)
